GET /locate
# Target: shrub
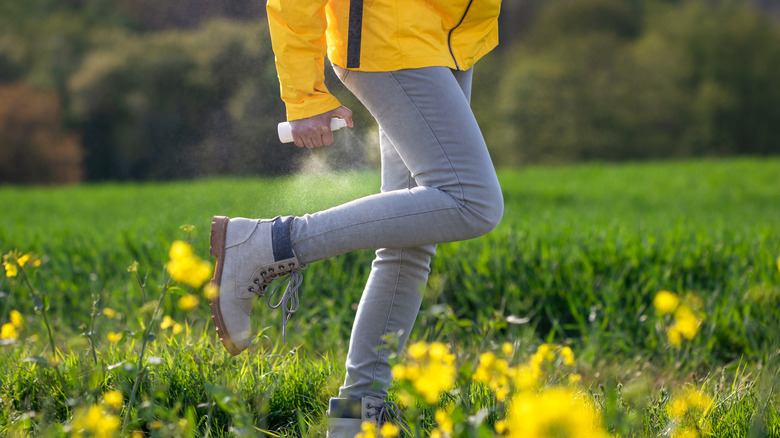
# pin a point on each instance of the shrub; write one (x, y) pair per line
(678, 80)
(181, 104)
(34, 148)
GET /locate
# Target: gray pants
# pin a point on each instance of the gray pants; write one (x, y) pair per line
(438, 185)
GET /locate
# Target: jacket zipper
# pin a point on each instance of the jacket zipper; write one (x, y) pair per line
(354, 33)
(449, 36)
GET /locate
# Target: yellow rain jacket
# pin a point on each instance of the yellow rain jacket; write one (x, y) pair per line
(372, 35)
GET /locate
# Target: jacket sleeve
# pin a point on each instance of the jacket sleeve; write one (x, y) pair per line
(298, 38)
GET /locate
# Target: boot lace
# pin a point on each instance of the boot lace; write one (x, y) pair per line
(289, 302)
(387, 411)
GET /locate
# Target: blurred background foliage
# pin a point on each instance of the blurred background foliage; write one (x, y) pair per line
(95, 90)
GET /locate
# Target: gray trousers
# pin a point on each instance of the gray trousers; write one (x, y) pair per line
(438, 185)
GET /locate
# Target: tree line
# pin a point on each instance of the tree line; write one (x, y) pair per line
(96, 90)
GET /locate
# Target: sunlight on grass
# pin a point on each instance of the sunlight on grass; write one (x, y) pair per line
(598, 308)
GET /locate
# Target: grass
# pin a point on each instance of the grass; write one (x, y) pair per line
(577, 260)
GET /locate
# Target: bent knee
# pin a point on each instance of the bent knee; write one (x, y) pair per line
(485, 215)
(491, 216)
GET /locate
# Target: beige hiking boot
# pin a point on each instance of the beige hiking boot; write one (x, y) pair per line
(346, 417)
(250, 254)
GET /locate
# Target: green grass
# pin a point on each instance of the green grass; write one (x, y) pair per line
(580, 254)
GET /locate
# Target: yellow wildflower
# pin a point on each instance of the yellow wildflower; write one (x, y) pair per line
(500, 427)
(8, 331)
(23, 260)
(439, 351)
(11, 270)
(192, 271)
(507, 349)
(430, 370)
(413, 371)
(137, 434)
(554, 412)
(114, 399)
(389, 430)
(94, 422)
(133, 267)
(686, 322)
(674, 336)
(666, 302)
(567, 355)
(527, 377)
(691, 400)
(496, 373)
(114, 337)
(109, 313)
(434, 379)
(180, 250)
(16, 319)
(399, 372)
(417, 350)
(37, 263)
(575, 378)
(368, 430)
(685, 433)
(543, 353)
(486, 359)
(167, 322)
(210, 292)
(188, 302)
(444, 421)
(185, 267)
(156, 424)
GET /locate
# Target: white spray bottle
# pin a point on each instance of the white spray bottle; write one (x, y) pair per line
(285, 133)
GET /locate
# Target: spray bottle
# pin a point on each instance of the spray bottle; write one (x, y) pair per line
(285, 133)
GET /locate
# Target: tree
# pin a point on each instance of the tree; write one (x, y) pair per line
(181, 104)
(33, 145)
(664, 81)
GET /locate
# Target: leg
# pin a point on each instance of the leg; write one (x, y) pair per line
(392, 296)
(425, 115)
(427, 118)
(390, 300)
(390, 303)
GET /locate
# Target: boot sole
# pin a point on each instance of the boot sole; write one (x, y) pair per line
(217, 249)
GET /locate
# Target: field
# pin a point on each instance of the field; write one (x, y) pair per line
(579, 259)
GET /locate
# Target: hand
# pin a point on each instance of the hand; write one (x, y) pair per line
(314, 131)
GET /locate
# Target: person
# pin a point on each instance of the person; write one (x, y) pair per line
(410, 64)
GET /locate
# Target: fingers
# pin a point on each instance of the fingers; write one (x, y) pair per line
(345, 113)
(313, 137)
(308, 132)
(314, 132)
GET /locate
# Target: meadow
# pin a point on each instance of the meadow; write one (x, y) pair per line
(568, 284)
